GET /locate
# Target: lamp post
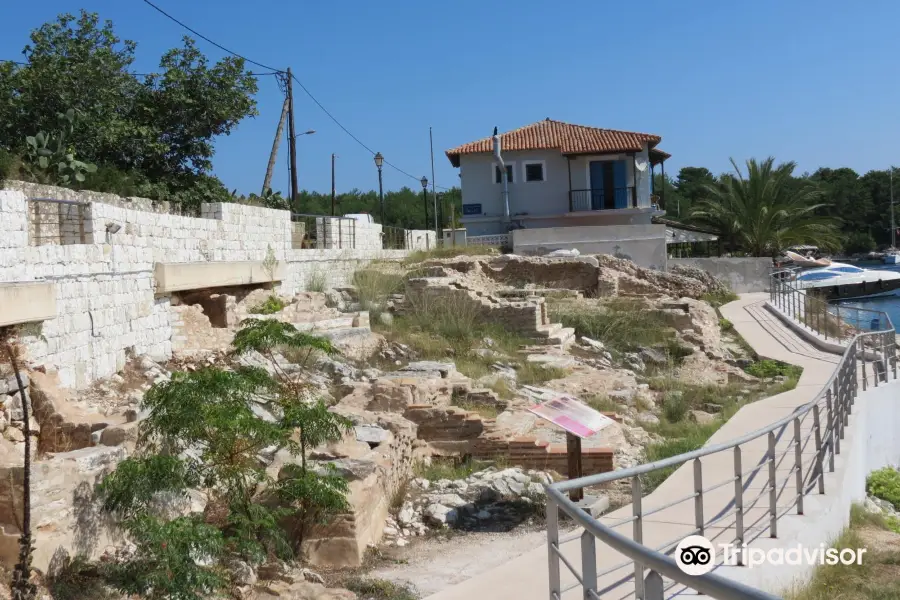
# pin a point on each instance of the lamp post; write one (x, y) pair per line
(379, 160)
(424, 182)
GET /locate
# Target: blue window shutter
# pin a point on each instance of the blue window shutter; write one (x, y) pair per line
(620, 176)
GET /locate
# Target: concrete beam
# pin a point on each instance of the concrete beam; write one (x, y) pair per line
(27, 302)
(176, 277)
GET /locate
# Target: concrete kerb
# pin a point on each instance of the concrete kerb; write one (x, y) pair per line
(807, 334)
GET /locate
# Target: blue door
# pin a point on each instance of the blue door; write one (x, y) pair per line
(596, 185)
(620, 185)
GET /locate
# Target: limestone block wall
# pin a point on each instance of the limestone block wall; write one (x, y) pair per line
(107, 304)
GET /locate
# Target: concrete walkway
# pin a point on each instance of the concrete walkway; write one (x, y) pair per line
(526, 576)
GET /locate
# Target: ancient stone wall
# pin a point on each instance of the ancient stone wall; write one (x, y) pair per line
(107, 304)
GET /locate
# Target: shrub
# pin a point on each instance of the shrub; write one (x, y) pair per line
(272, 305)
(373, 287)
(768, 369)
(725, 324)
(601, 403)
(675, 407)
(719, 298)
(623, 325)
(535, 374)
(317, 282)
(379, 589)
(885, 484)
(448, 468)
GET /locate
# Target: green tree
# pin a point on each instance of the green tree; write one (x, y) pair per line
(693, 186)
(205, 430)
(767, 211)
(150, 136)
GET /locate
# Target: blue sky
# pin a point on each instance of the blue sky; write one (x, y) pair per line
(814, 82)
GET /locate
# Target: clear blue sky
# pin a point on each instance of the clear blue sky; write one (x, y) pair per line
(815, 82)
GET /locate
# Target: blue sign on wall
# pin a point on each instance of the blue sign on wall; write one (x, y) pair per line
(471, 209)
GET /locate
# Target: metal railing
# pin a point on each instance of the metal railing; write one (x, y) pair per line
(834, 322)
(53, 222)
(322, 232)
(393, 238)
(799, 450)
(599, 199)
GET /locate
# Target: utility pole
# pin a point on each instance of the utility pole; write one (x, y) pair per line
(333, 156)
(433, 185)
(267, 184)
(292, 140)
(893, 223)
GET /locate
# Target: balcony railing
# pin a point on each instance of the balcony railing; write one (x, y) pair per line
(602, 199)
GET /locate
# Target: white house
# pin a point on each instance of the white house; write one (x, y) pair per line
(559, 175)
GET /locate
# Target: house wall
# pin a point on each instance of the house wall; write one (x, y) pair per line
(107, 302)
(645, 245)
(529, 201)
(743, 275)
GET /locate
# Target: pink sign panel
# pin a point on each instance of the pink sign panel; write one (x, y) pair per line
(572, 415)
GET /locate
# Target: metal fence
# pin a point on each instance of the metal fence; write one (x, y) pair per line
(58, 222)
(393, 238)
(797, 451)
(322, 232)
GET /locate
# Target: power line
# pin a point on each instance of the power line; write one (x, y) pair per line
(200, 35)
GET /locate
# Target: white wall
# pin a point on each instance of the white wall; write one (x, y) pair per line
(106, 301)
(645, 245)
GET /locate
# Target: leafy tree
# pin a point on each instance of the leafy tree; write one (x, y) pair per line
(767, 211)
(153, 134)
(859, 241)
(22, 587)
(206, 429)
(693, 186)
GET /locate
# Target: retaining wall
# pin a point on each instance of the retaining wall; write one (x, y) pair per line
(744, 275)
(107, 300)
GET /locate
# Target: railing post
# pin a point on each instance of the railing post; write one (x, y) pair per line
(552, 548)
(738, 501)
(637, 534)
(865, 383)
(773, 489)
(830, 409)
(653, 586)
(817, 426)
(798, 464)
(698, 497)
(588, 564)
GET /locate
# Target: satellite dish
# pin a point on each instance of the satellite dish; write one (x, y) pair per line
(640, 164)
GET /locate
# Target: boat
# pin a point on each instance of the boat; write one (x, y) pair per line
(891, 257)
(805, 261)
(840, 281)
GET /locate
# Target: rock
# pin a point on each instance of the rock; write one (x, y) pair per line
(351, 468)
(701, 417)
(96, 436)
(131, 415)
(871, 506)
(241, 573)
(653, 356)
(371, 434)
(552, 360)
(451, 500)
(483, 515)
(646, 418)
(440, 515)
(431, 368)
(595, 344)
(406, 515)
(401, 543)
(14, 435)
(119, 434)
(312, 576)
(712, 407)
(421, 483)
(634, 362)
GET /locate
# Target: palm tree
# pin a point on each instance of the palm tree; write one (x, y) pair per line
(768, 210)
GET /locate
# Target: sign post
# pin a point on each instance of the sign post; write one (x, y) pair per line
(579, 421)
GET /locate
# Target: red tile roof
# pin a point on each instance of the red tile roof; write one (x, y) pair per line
(565, 137)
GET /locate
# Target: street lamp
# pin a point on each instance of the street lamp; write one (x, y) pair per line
(424, 182)
(310, 132)
(379, 160)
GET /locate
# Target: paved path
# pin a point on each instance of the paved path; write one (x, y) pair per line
(525, 576)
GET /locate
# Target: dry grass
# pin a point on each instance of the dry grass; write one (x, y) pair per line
(877, 578)
(420, 256)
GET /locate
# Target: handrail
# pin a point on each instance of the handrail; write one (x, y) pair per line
(830, 410)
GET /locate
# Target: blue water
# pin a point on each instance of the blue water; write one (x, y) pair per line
(890, 305)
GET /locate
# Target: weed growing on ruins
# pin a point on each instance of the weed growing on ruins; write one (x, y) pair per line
(272, 305)
(719, 298)
(317, 281)
(449, 468)
(420, 256)
(22, 587)
(602, 403)
(674, 407)
(487, 411)
(536, 374)
(725, 324)
(374, 287)
(379, 589)
(502, 388)
(205, 430)
(624, 325)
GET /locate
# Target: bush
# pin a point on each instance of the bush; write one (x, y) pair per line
(272, 305)
(675, 408)
(725, 324)
(859, 242)
(885, 484)
(719, 298)
(317, 282)
(379, 589)
(448, 468)
(769, 369)
(373, 287)
(622, 324)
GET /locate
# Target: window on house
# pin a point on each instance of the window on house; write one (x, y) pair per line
(498, 178)
(534, 171)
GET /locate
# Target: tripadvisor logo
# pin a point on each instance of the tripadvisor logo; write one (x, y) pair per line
(695, 555)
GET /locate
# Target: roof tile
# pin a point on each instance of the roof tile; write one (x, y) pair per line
(565, 137)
